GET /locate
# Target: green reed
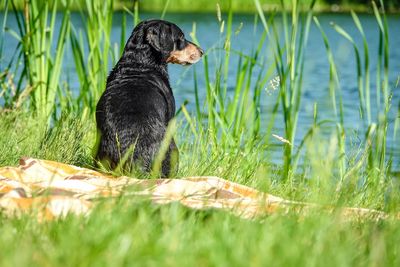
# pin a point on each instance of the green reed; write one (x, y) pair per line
(377, 125)
(289, 61)
(232, 117)
(42, 51)
(93, 67)
(336, 93)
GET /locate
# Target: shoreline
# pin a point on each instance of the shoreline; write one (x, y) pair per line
(244, 8)
(318, 8)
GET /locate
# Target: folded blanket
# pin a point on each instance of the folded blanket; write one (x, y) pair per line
(54, 189)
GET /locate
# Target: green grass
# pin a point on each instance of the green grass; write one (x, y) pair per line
(25, 135)
(136, 233)
(225, 136)
(132, 231)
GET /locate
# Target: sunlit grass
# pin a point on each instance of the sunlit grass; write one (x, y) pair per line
(130, 231)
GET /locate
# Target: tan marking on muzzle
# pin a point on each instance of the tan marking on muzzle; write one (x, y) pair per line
(189, 55)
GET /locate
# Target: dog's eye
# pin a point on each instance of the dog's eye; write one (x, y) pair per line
(180, 44)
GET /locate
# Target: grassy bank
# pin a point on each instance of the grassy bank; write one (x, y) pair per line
(131, 231)
(247, 6)
(242, 6)
(224, 136)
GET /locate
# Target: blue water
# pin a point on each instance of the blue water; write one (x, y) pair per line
(316, 75)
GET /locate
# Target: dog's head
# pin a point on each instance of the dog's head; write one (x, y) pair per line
(168, 40)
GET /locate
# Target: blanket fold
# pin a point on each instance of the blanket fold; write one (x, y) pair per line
(54, 189)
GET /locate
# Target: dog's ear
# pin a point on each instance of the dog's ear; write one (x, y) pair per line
(153, 38)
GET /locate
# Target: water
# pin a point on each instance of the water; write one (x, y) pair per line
(316, 73)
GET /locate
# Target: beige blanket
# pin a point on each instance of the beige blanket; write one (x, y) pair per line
(52, 189)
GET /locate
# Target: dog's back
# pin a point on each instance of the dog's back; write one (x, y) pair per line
(134, 115)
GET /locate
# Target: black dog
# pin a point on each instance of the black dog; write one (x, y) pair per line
(137, 105)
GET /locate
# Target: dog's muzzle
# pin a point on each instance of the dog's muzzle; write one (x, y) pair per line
(187, 56)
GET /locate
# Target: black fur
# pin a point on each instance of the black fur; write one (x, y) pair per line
(138, 102)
